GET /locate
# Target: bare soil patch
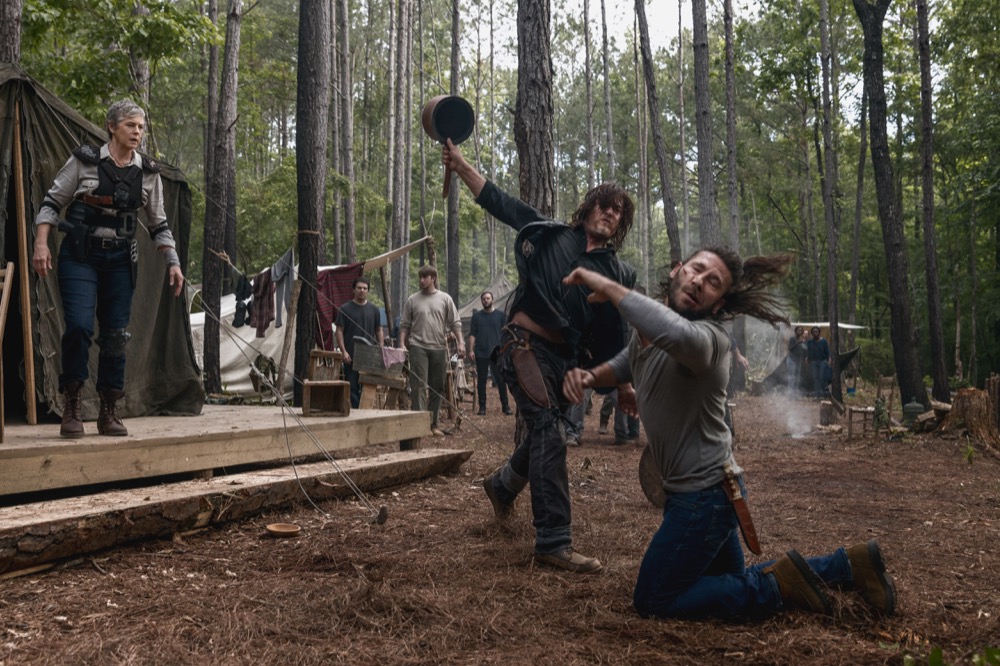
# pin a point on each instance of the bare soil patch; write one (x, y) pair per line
(442, 583)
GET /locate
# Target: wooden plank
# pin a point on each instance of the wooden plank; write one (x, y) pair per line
(24, 271)
(34, 535)
(35, 458)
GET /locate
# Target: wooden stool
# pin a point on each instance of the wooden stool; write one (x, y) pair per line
(381, 391)
(326, 398)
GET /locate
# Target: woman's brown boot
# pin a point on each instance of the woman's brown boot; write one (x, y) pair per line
(72, 418)
(108, 422)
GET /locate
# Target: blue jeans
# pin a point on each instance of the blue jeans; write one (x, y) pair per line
(694, 567)
(354, 377)
(485, 366)
(539, 457)
(819, 382)
(100, 284)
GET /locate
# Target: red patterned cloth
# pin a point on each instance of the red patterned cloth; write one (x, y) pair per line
(262, 313)
(333, 287)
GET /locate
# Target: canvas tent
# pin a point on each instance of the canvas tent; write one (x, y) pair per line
(775, 346)
(37, 134)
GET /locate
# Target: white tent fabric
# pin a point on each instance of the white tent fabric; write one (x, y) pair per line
(239, 347)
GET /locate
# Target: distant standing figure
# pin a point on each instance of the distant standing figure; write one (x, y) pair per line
(357, 318)
(428, 316)
(793, 362)
(818, 355)
(484, 337)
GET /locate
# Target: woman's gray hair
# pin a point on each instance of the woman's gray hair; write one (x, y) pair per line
(121, 110)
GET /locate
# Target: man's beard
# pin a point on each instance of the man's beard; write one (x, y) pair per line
(691, 314)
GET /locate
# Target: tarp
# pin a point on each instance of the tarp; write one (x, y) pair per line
(239, 348)
(162, 376)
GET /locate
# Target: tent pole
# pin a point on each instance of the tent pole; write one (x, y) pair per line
(23, 271)
(385, 299)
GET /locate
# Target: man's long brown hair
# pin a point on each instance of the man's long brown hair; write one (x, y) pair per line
(608, 195)
(752, 280)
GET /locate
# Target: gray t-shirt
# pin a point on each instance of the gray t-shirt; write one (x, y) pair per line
(680, 381)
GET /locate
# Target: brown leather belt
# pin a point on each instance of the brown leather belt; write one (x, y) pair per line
(732, 486)
(95, 200)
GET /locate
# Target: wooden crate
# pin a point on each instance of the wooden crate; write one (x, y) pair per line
(326, 398)
(368, 359)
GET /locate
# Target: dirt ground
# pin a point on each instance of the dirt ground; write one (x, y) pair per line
(442, 583)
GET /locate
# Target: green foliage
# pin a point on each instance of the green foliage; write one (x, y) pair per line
(876, 358)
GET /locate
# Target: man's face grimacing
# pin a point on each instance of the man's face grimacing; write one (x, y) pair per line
(487, 300)
(361, 292)
(602, 222)
(698, 287)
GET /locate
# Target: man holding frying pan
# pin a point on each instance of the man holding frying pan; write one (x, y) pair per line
(550, 329)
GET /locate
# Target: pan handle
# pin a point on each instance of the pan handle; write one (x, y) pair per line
(447, 184)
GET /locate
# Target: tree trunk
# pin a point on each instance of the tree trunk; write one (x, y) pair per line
(645, 223)
(533, 115)
(708, 228)
(591, 156)
(829, 190)
(733, 194)
(904, 350)
(682, 125)
(939, 372)
(224, 163)
(311, 117)
(608, 129)
(400, 209)
(669, 208)
(972, 415)
(452, 240)
(347, 129)
(335, 135)
(10, 31)
(859, 200)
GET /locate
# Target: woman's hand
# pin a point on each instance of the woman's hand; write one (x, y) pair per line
(176, 279)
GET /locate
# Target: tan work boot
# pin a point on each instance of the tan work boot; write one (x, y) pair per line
(108, 422)
(72, 417)
(870, 578)
(799, 585)
(570, 560)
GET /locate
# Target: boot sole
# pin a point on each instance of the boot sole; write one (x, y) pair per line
(72, 435)
(815, 582)
(888, 588)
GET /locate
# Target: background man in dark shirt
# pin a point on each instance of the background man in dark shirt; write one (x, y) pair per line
(357, 317)
(484, 337)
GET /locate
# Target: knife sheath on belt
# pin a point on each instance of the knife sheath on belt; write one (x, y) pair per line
(732, 486)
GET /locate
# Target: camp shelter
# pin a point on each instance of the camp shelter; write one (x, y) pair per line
(38, 132)
(774, 347)
(240, 346)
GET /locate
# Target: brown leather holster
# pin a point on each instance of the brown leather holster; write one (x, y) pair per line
(529, 375)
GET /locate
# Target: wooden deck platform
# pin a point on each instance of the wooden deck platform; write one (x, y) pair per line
(34, 458)
(50, 512)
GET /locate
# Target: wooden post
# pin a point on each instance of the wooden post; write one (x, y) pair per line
(287, 342)
(385, 298)
(24, 272)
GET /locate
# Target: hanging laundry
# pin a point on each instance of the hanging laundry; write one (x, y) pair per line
(263, 302)
(333, 288)
(283, 275)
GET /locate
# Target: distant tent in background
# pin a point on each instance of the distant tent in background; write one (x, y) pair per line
(502, 291)
(162, 376)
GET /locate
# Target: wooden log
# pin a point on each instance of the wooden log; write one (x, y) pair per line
(45, 532)
(827, 414)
